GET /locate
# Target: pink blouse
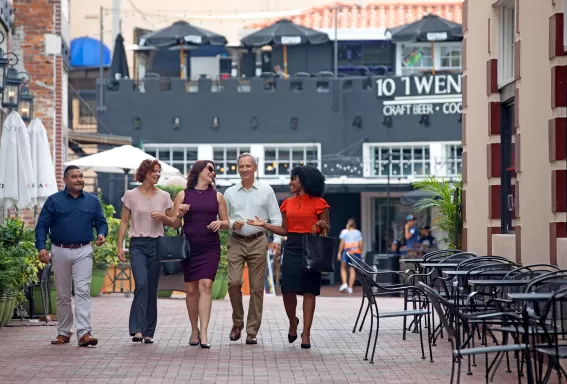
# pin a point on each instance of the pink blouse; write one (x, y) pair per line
(141, 208)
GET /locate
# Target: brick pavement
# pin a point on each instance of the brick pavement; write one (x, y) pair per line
(336, 355)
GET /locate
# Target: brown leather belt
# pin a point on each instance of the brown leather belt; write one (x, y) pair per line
(248, 238)
(71, 246)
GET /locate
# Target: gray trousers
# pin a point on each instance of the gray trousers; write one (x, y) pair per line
(146, 270)
(73, 266)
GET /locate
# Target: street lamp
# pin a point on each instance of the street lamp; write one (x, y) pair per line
(26, 104)
(11, 95)
(3, 67)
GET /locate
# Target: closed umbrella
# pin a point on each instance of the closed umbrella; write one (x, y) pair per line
(42, 162)
(430, 28)
(181, 35)
(284, 32)
(16, 172)
(119, 64)
(124, 159)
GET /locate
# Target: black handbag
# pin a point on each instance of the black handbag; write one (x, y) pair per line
(319, 252)
(172, 248)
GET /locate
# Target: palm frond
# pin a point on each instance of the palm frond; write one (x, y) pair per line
(443, 201)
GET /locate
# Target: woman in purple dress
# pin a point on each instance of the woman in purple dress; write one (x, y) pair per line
(202, 210)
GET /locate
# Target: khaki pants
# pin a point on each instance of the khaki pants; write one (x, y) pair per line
(253, 252)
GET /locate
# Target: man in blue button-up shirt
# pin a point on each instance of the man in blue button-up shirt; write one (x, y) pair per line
(69, 217)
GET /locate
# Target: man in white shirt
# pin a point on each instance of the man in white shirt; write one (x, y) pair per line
(249, 244)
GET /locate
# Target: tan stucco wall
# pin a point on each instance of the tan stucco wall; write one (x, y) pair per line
(534, 113)
(476, 139)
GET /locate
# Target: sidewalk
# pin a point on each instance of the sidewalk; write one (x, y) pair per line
(336, 355)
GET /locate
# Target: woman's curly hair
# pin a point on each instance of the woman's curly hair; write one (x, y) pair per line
(311, 179)
(196, 169)
(145, 167)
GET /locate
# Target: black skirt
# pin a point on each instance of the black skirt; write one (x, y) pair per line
(295, 278)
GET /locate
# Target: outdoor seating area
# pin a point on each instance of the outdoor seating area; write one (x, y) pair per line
(484, 305)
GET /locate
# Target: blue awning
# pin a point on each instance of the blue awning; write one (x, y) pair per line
(85, 52)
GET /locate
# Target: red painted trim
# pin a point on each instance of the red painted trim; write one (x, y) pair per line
(494, 111)
(558, 190)
(491, 76)
(494, 206)
(493, 160)
(559, 86)
(556, 35)
(557, 138)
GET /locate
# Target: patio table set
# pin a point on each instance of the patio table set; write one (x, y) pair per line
(484, 305)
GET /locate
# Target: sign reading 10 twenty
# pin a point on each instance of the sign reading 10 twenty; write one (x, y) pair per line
(420, 95)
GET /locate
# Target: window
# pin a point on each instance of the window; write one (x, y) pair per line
(416, 59)
(225, 159)
(369, 54)
(508, 166)
(506, 32)
(400, 161)
(279, 160)
(87, 110)
(180, 157)
(454, 156)
(451, 57)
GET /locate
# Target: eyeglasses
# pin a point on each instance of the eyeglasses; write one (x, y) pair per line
(211, 169)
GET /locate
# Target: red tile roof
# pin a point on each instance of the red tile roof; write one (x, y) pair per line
(383, 14)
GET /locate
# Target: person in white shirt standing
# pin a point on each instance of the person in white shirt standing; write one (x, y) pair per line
(351, 242)
(248, 244)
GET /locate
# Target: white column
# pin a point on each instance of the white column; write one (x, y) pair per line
(257, 151)
(205, 152)
(438, 159)
(366, 220)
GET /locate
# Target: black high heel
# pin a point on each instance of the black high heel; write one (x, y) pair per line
(195, 343)
(291, 338)
(138, 339)
(206, 346)
(305, 346)
(148, 340)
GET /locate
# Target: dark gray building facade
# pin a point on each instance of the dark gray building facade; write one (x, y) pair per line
(357, 130)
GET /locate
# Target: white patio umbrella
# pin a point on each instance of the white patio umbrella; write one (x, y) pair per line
(16, 172)
(42, 162)
(124, 159)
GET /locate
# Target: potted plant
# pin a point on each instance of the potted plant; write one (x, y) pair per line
(19, 265)
(105, 256)
(442, 200)
(220, 285)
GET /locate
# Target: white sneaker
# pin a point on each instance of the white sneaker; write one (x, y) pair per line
(343, 288)
(349, 291)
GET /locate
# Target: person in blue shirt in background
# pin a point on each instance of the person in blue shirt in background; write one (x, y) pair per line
(411, 235)
(69, 217)
(351, 242)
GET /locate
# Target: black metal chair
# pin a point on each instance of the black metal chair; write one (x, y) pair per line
(419, 313)
(448, 314)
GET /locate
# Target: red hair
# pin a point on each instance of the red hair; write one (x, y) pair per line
(197, 168)
(145, 167)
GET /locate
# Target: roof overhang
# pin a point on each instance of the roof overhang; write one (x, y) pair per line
(98, 138)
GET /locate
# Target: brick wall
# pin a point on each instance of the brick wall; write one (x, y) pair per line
(34, 21)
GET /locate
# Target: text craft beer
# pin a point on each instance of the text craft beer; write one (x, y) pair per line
(420, 95)
(422, 109)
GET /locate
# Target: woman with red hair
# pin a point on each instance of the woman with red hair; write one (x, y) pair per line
(202, 211)
(145, 209)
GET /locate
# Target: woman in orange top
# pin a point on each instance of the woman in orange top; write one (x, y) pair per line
(307, 209)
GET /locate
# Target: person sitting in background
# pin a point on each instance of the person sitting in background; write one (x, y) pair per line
(426, 239)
